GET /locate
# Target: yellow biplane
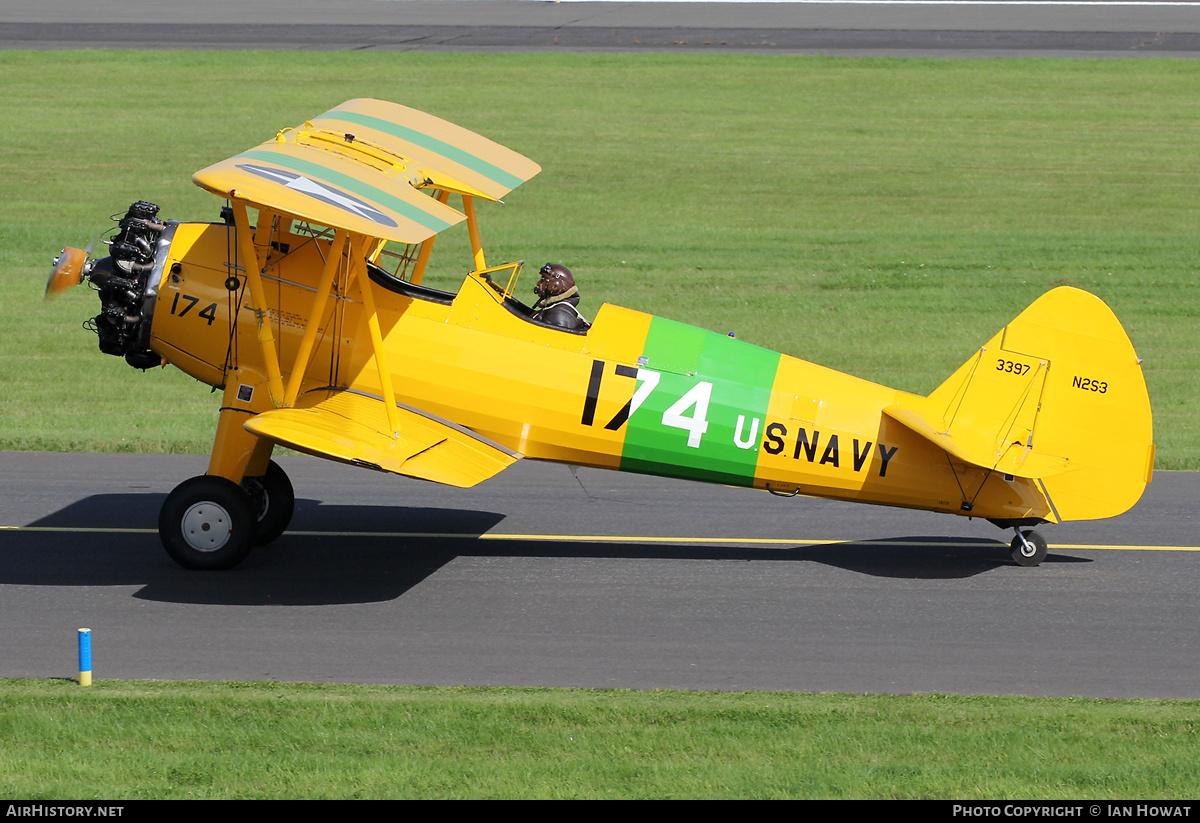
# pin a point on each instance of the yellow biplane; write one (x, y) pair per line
(306, 307)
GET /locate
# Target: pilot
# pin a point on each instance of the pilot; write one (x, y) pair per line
(558, 297)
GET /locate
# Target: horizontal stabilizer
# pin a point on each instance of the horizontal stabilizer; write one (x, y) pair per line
(353, 428)
(974, 447)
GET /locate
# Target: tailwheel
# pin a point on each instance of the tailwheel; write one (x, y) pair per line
(1028, 548)
(272, 500)
(207, 522)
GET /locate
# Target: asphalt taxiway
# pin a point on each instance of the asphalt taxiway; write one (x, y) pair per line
(546, 577)
(848, 27)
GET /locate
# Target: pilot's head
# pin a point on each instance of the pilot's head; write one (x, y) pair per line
(555, 280)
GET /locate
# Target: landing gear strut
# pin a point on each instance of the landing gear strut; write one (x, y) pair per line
(1028, 548)
(211, 523)
(273, 500)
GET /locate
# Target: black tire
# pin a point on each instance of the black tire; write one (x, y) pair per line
(207, 523)
(272, 500)
(1033, 553)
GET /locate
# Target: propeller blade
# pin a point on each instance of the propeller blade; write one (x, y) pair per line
(67, 271)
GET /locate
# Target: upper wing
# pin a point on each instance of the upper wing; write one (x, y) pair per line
(363, 165)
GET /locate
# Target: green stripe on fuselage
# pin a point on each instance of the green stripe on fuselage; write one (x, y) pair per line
(704, 419)
(425, 141)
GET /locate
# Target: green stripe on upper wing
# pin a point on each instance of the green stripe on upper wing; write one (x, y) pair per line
(320, 187)
(429, 143)
(403, 200)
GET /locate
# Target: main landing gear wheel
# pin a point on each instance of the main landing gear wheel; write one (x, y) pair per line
(1028, 548)
(207, 522)
(272, 500)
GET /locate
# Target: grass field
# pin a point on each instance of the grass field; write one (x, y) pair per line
(270, 740)
(881, 216)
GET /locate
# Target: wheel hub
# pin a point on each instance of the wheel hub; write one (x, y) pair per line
(207, 527)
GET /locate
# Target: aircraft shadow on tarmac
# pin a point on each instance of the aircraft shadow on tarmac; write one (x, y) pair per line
(346, 554)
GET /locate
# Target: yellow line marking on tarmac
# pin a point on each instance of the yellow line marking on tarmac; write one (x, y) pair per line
(75, 529)
(609, 538)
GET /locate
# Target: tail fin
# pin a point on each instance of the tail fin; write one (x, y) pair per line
(1057, 396)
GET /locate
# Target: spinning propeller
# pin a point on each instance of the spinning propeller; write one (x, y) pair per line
(68, 270)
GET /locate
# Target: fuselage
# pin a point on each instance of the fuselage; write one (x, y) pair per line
(633, 393)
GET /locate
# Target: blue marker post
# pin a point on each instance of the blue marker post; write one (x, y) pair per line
(85, 657)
